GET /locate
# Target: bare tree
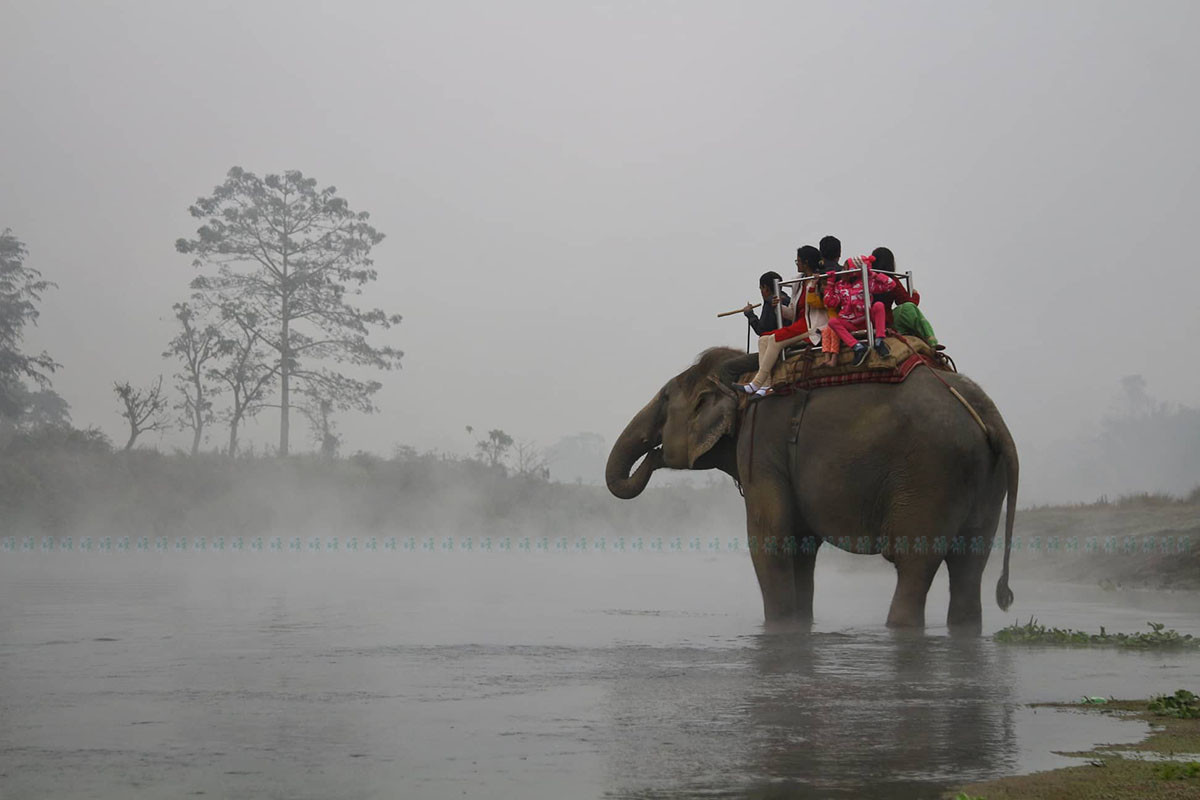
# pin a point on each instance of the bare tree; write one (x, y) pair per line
(531, 460)
(494, 448)
(196, 344)
(294, 255)
(319, 411)
(244, 369)
(142, 408)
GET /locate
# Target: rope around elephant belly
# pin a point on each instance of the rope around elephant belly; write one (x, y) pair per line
(963, 400)
(750, 463)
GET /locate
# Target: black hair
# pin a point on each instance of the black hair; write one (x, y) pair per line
(831, 249)
(808, 256)
(768, 279)
(885, 261)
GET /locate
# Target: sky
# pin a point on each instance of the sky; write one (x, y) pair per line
(570, 192)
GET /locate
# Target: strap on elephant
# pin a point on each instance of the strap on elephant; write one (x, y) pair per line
(797, 421)
(798, 417)
(753, 412)
(963, 400)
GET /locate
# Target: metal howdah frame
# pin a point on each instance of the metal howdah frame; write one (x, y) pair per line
(799, 282)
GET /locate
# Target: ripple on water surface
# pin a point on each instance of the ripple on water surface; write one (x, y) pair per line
(550, 676)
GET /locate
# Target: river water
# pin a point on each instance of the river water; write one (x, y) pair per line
(379, 674)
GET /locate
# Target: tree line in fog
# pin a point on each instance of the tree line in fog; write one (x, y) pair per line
(274, 319)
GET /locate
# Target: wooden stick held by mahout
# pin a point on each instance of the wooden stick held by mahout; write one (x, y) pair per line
(736, 311)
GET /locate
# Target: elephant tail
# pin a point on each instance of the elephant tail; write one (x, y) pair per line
(1002, 443)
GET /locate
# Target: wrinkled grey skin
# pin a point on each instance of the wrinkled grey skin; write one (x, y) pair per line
(889, 462)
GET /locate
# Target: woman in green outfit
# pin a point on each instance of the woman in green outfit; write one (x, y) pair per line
(906, 318)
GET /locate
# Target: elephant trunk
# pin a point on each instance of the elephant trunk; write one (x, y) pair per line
(637, 440)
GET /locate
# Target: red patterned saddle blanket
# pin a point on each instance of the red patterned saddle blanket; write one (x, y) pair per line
(805, 369)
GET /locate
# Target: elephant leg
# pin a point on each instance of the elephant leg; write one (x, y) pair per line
(914, 574)
(770, 526)
(803, 566)
(966, 576)
(966, 612)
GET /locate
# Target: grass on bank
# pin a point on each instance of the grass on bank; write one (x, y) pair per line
(1035, 633)
(1133, 500)
(1109, 775)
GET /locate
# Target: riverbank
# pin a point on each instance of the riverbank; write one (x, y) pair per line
(1138, 542)
(1164, 766)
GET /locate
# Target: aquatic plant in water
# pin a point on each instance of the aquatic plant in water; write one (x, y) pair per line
(1033, 632)
(1182, 704)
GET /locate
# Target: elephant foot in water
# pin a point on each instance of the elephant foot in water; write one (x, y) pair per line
(788, 625)
(795, 613)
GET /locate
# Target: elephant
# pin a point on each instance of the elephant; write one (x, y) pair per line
(905, 470)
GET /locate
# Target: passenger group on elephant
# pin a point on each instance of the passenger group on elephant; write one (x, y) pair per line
(831, 306)
(901, 456)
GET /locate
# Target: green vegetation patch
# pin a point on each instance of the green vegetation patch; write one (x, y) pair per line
(1182, 704)
(1177, 771)
(1034, 632)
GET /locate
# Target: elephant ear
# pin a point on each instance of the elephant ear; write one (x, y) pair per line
(714, 413)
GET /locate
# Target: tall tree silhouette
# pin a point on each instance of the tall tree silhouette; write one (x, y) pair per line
(293, 256)
(21, 289)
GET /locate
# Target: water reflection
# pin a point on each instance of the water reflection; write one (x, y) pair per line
(316, 679)
(874, 714)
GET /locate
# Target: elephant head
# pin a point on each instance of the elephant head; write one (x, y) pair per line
(689, 424)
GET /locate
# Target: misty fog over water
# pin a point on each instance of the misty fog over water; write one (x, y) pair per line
(318, 323)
